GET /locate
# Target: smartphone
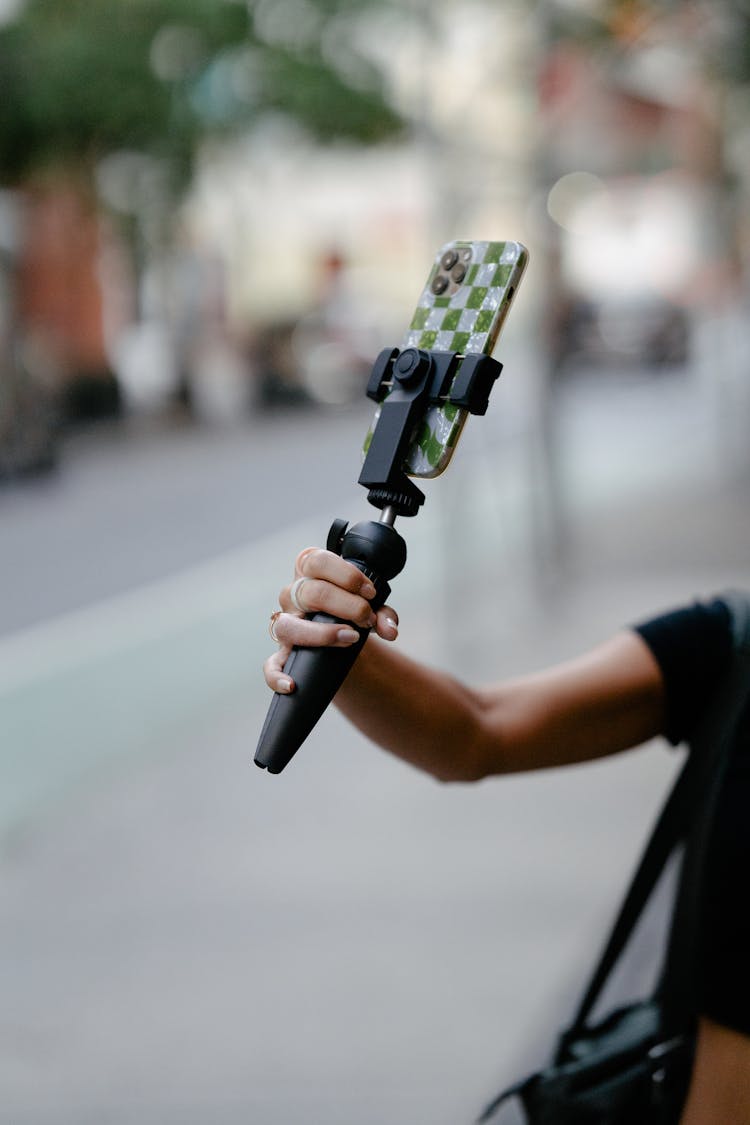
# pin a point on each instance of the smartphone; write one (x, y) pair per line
(463, 307)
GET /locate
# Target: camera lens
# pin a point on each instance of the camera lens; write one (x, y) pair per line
(439, 284)
(449, 259)
(458, 273)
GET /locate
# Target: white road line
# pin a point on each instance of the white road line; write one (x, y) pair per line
(236, 579)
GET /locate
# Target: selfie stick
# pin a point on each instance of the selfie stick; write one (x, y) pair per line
(405, 383)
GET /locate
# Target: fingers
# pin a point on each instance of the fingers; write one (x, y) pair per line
(386, 625)
(314, 562)
(294, 630)
(273, 672)
(291, 629)
(325, 583)
(312, 595)
(328, 584)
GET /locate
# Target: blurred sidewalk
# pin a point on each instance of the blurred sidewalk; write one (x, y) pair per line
(186, 939)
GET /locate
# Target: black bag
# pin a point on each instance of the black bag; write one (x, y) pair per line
(634, 1066)
(627, 1069)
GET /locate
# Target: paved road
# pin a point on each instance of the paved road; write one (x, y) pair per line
(185, 939)
(137, 502)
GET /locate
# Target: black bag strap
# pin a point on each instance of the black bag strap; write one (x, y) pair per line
(686, 817)
(713, 743)
(666, 836)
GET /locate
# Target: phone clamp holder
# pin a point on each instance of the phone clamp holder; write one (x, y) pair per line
(405, 383)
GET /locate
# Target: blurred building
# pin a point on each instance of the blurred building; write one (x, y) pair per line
(61, 295)
(634, 185)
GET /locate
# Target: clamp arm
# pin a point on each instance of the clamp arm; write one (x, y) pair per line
(405, 383)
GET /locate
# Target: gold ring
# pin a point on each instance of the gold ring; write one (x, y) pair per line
(272, 626)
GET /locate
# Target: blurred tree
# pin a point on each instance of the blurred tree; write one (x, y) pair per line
(108, 102)
(82, 80)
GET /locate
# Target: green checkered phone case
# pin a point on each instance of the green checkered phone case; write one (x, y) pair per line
(462, 309)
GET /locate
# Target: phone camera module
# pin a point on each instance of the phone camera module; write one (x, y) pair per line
(451, 272)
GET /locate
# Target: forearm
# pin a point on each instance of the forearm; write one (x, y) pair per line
(603, 702)
(418, 713)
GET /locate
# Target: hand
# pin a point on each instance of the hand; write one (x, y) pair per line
(331, 585)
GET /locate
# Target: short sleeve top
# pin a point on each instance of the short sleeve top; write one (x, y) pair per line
(693, 646)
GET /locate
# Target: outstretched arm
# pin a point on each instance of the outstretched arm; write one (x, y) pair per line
(600, 703)
(607, 700)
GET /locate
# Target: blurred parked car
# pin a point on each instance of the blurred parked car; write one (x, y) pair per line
(631, 248)
(644, 332)
(29, 423)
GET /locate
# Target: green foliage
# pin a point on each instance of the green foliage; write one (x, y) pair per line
(84, 78)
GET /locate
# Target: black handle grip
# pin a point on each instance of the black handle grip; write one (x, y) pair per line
(380, 553)
(318, 674)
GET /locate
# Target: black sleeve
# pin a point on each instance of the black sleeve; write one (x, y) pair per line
(723, 963)
(692, 646)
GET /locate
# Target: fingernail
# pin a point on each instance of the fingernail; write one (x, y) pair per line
(284, 686)
(347, 636)
(391, 624)
(367, 590)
